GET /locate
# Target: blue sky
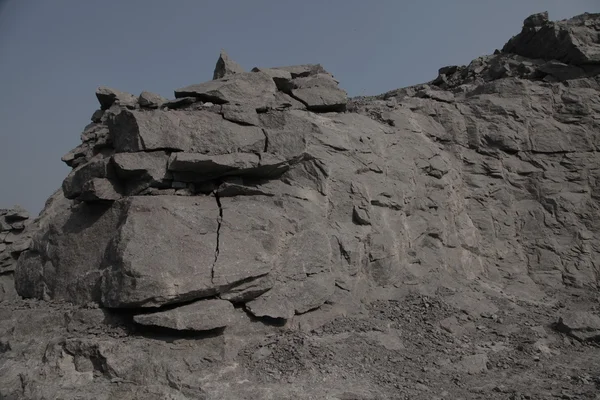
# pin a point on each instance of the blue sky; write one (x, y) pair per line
(54, 53)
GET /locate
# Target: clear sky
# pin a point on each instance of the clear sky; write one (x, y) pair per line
(54, 53)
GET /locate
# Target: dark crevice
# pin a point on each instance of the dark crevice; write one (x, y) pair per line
(343, 251)
(219, 223)
(266, 141)
(171, 335)
(270, 321)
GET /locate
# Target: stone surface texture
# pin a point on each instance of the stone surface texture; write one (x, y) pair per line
(14, 239)
(264, 236)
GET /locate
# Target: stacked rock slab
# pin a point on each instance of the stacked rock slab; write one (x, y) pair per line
(269, 189)
(13, 240)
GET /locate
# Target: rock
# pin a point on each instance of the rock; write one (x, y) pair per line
(7, 288)
(4, 226)
(303, 71)
(151, 100)
(226, 67)
(451, 210)
(107, 97)
(582, 325)
(97, 116)
(561, 71)
(279, 76)
(319, 93)
(98, 167)
(201, 315)
(240, 115)
(250, 237)
(209, 167)
(100, 189)
(249, 289)
(182, 102)
(249, 88)
(15, 214)
(174, 266)
(572, 41)
(472, 365)
(199, 132)
(294, 297)
(536, 20)
(141, 170)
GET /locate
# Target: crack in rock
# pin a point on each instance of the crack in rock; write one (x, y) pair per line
(219, 223)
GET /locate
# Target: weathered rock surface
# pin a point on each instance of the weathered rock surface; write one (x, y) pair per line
(14, 239)
(226, 66)
(204, 315)
(107, 97)
(151, 100)
(582, 325)
(313, 213)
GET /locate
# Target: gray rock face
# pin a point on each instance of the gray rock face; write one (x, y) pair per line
(14, 239)
(329, 237)
(486, 173)
(202, 315)
(226, 66)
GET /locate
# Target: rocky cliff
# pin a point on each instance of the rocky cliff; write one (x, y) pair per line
(261, 224)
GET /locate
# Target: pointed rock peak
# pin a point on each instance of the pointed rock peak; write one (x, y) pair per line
(226, 66)
(535, 20)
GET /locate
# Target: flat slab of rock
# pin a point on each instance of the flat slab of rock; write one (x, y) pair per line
(582, 325)
(141, 170)
(198, 132)
(203, 315)
(212, 166)
(293, 297)
(249, 88)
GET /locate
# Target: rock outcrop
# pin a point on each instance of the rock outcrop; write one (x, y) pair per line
(268, 200)
(487, 172)
(13, 241)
